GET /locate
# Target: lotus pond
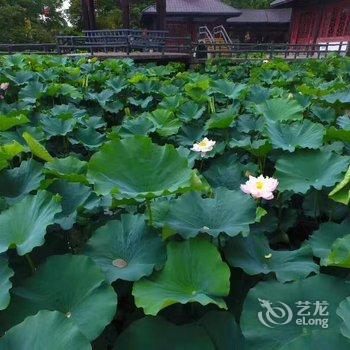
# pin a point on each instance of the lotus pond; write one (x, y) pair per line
(156, 207)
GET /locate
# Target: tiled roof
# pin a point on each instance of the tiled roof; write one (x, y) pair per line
(263, 16)
(191, 7)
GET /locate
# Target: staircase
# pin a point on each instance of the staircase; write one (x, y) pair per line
(219, 36)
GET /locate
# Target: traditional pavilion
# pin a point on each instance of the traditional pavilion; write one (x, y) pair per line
(184, 17)
(260, 26)
(318, 21)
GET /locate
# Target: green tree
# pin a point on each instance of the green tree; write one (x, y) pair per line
(23, 21)
(255, 4)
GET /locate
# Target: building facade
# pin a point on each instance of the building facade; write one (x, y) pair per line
(318, 21)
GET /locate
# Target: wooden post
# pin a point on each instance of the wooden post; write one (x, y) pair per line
(125, 7)
(89, 18)
(161, 14)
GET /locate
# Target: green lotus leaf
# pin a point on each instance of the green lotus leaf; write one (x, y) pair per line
(165, 122)
(270, 317)
(138, 126)
(71, 284)
(190, 110)
(194, 272)
(288, 137)
(46, 330)
(227, 172)
(117, 84)
(341, 192)
(54, 126)
(67, 90)
(70, 168)
(259, 148)
(33, 91)
(248, 123)
(340, 252)
(344, 122)
(228, 88)
(229, 212)
(325, 115)
(340, 96)
(254, 255)
(8, 122)
(143, 103)
(36, 148)
(8, 152)
(216, 330)
(88, 137)
(36, 213)
(126, 249)
(74, 196)
(343, 312)
(300, 171)
(222, 120)
(18, 182)
(322, 239)
(5, 284)
(279, 109)
(137, 168)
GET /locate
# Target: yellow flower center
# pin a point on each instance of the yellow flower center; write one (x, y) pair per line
(259, 185)
(203, 143)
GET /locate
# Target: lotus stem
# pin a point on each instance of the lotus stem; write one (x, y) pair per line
(30, 263)
(149, 209)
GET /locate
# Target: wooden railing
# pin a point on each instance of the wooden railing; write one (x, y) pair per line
(203, 51)
(128, 45)
(124, 44)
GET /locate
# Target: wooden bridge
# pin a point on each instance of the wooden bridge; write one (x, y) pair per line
(158, 46)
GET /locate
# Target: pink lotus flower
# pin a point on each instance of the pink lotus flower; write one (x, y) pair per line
(4, 86)
(260, 187)
(204, 146)
(1, 97)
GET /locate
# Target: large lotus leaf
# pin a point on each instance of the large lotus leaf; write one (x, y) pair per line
(190, 110)
(334, 134)
(222, 120)
(193, 272)
(229, 212)
(340, 96)
(73, 195)
(343, 312)
(248, 123)
(254, 255)
(32, 92)
(288, 137)
(216, 330)
(70, 91)
(300, 171)
(325, 115)
(7, 122)
(18, 182)
(71, 284)
(88, 137)
(143, 103)
(137, 168)
(321, 241)
(54, 126)
(280, 109)
(23, 226)
(126, 249)
(270, 318)
(70, 168)
(165, 122)
(5, 284)
(228, 88)
(341, 192)
(226, 172)
(136, 126)
(36, 148)
(46, 330)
